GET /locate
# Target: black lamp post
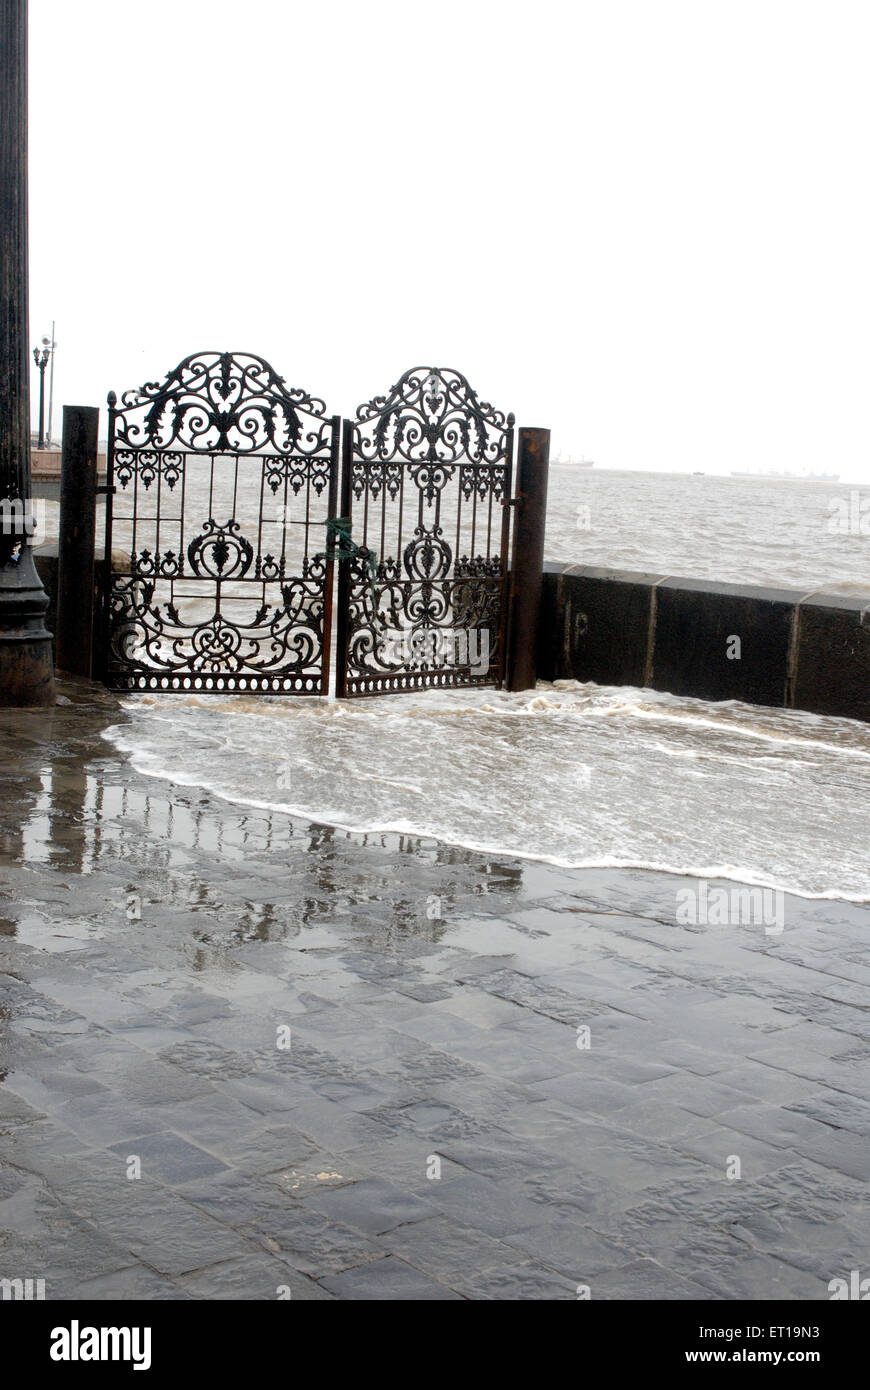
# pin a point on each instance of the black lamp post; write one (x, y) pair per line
(26, 675)
(41, 360)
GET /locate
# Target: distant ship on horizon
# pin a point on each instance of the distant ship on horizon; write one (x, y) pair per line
(797, 477)
(581, 462)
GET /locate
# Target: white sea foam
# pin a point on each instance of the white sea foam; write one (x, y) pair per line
(568, 775)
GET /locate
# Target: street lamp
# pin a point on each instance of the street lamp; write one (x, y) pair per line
(41, 360)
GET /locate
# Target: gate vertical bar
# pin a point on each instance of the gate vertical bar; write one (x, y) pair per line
(528, 558)
(342, 631)
(328, 607)
(76, 536)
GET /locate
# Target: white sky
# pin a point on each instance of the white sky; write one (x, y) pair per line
(646, 225)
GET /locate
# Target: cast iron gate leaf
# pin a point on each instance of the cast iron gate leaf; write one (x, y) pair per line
(426, 485)
(223, 479)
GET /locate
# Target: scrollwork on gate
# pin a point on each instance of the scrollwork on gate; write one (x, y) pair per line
(431, 416)
(279, 647)
(222, 402)
(220, 552)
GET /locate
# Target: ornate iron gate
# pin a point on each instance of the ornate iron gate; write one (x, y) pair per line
(216, 552)
(426, 487)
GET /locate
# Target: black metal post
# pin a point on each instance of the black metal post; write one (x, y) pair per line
(100, 663)
(528, 558)
(26, 676)
(77, 533)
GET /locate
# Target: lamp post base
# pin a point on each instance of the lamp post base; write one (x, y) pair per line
(26, 664)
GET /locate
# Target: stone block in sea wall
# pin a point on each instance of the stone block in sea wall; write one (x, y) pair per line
(722, 641)
(832, 655)
(595, 624)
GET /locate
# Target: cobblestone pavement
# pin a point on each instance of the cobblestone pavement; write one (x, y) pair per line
(359, 1067)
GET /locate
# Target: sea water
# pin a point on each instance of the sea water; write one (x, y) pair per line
(574, 774)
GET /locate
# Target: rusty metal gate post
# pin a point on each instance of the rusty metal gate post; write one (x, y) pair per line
(528, 557)
(76, 535)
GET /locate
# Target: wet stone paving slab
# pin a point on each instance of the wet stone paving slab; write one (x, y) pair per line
(246, 1057)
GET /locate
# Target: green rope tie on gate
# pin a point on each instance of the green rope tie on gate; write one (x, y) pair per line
(344, 547)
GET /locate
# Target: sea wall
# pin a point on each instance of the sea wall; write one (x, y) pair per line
(696, 637)
(767, 646)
